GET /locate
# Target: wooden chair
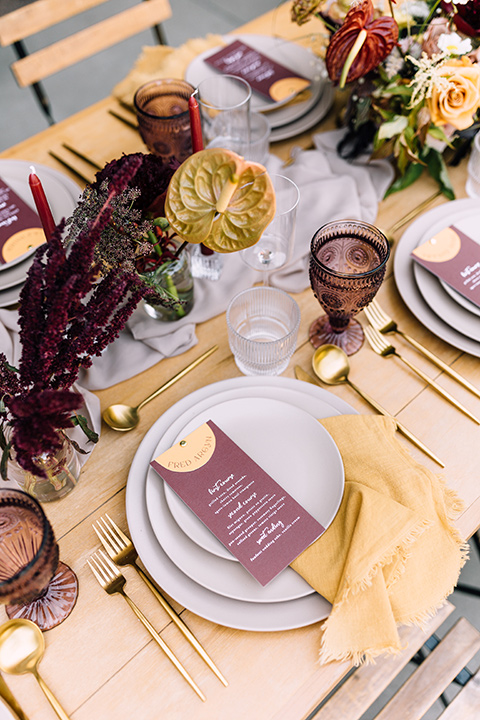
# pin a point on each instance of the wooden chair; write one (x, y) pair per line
(39, 15)
(444, 664)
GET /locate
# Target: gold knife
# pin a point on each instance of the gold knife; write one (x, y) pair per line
(10, 701)
(300, 374)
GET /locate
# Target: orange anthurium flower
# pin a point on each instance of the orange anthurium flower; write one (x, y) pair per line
(360, 44)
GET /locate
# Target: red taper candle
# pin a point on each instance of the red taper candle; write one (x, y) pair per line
(41, 203)
(195, 124)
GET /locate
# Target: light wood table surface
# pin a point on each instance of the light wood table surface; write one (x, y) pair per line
(101, 662)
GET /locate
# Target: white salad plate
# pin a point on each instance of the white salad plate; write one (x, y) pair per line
(261, 616)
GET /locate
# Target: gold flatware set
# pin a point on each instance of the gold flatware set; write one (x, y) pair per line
(382, 322)
(331, 366)
(384, 348)
(121, 551)
(112, 581)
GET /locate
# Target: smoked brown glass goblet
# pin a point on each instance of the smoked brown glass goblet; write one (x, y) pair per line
(348, 260)
(33, 583)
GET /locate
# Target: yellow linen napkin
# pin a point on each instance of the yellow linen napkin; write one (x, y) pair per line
(392, 555)
(163, 62)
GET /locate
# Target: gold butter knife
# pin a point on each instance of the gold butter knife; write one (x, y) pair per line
(300, 374)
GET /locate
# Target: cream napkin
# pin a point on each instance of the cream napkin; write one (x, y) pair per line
(392, 555)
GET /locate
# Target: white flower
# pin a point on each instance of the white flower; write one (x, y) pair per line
(460, 2)
(453, 44)
(417, 8)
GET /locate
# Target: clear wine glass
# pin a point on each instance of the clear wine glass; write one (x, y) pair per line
(33, 583)
(274, 249)
(348, 260)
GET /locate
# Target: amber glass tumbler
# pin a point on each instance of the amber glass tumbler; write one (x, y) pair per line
(164, 119)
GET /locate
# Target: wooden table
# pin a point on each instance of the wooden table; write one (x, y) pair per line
(100, 661)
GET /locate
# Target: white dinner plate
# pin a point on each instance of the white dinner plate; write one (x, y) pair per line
(61, 192)
(313, 474)
(311, 471)
(405, 278)
(299, 59)
(433, 290)
(217, 608)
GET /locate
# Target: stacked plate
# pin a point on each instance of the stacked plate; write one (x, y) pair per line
(273, 420)
(286, 119)
(434, 303)
(62, 194)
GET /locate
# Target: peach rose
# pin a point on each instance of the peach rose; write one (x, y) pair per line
(456, 104)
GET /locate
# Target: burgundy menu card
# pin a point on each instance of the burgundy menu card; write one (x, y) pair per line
(454, 257)
(20, 226)
(251, 514)
(265, 76)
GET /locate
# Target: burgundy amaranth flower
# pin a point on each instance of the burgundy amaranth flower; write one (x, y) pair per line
(37, 417)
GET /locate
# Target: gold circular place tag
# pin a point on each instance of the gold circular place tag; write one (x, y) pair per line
(191, 453)
(21, 242)
(287, 87)
(441, 247)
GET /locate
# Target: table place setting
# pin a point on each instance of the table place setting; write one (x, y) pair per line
(254, 506)
(433, 302)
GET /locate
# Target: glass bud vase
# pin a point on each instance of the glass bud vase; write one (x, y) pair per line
(175, 277)
(62, 470)
(206, 263)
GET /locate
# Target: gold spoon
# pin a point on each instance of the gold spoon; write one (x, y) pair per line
(21, 648)
(330, 364)
(125, 417)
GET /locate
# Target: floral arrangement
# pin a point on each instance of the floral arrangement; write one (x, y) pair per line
(413, 78)
(84, 284)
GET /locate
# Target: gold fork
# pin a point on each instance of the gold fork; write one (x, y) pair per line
(383, 347)
(385, 324)
(112, 581)
(122, 551)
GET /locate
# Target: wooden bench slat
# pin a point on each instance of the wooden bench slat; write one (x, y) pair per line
(465, 705)
(359, 692)
(435, 674)
(38, 16)
(90, 41)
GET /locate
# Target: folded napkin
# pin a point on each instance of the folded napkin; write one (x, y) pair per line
(392, 555)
